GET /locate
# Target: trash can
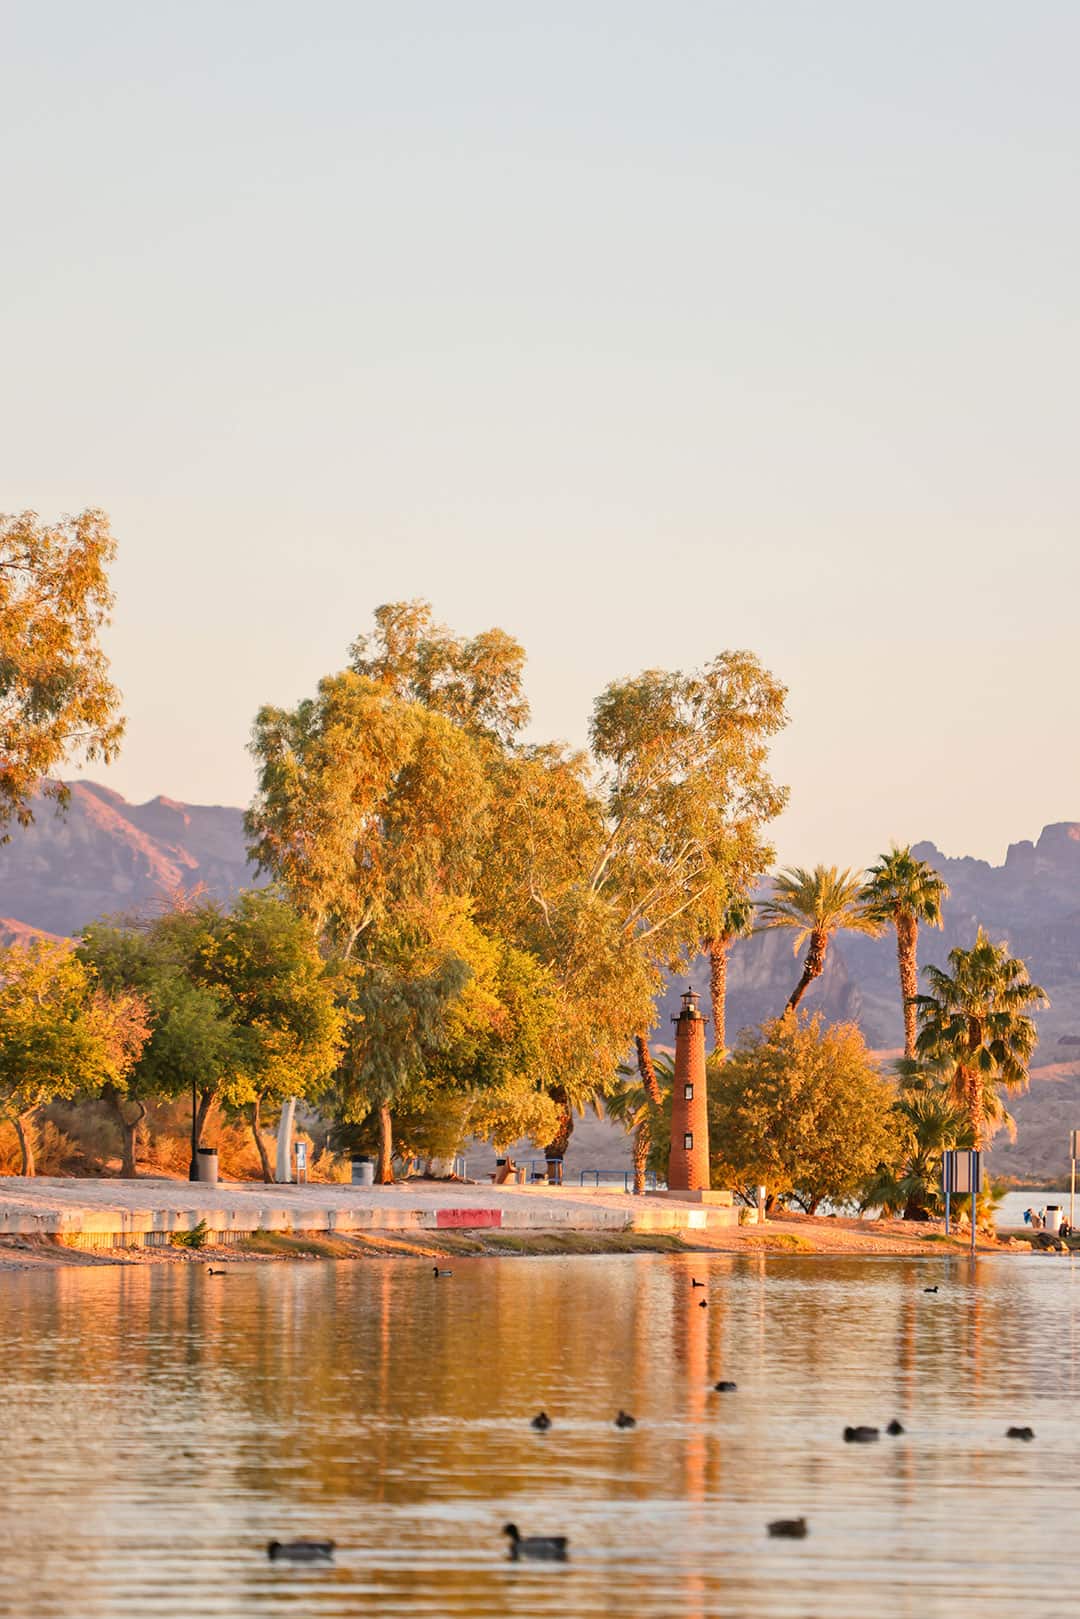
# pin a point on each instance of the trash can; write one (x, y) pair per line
(1053, 1218)
(554, 1171)
(207, 1160)
(363, 1171)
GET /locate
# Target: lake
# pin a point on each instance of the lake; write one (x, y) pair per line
(160, 1426)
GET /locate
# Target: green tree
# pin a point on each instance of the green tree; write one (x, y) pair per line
(800, 1107)
(901, 892)
(60, 1035)
(56, 699)
(975, 1023)
(930, 1123)
(816, 904)
(643, 1117)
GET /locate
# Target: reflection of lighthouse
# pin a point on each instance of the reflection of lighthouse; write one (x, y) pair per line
(688, 1160)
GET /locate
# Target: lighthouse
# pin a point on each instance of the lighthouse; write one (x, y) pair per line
(688, 1160)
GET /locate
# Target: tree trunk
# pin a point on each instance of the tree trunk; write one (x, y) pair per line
(718, 949)
(128, 1130)
(641, 1145)
(260, 1143)
(813, 967)
(384, 1169)
(647, 1071)
(907, 955)
(24, 1124)
(202, 1112)
(560, 1141)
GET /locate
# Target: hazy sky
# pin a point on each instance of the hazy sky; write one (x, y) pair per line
(642, 330)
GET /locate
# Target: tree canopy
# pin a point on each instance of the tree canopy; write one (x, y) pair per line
(56, 699)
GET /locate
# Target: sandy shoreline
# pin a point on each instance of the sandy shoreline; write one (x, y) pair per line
(788, 1234)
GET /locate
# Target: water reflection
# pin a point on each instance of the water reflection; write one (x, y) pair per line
(160, 1426)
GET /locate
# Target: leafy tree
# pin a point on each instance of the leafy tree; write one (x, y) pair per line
(60, 1035)
(930, 1123)
(243, 1008)
(476, 682)
(55, 695)
(800, 1107)
(900, 892)
(644, 1119)
(975, 1023)
(816, 904)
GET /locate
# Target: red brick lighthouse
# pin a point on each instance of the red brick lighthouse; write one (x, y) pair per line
(688, 1161)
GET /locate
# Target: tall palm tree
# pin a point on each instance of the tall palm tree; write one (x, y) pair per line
(901, 892)
(736, 921)
(816, 904)
(975, 1022)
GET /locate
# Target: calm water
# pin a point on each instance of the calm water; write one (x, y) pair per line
(158, 1427)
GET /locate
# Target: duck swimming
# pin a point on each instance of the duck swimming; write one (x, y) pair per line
(789, 1529)
(625, 1420)
(545, 1548)
(894, 1428)
(861, 1435)
(1019, 1433)
(541, 1421)
(725, 1386)
(300, 1551)
(437, 1272)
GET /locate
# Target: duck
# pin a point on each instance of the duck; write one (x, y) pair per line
(541, 1421)
(860, 1435)
(300, 1551)
(929, 1289)
(545, 1548)
(725, 1386)
(1019, 1433)
(210, 1271)
(895, 1428)
(703, 1304)
(437, 1272)
(789, 1529)
(625, 1420)
(695, 1283)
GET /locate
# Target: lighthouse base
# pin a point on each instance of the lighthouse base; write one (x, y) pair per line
(720, 1199)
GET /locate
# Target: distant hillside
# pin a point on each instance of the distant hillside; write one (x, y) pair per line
(103, 855)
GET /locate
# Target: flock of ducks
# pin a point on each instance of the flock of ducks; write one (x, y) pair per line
(553, 1548)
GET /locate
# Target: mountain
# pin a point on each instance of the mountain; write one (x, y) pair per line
(103, 855)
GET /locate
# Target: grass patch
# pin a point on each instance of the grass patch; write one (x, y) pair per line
(295, 1244)
(779, 1242)
(197, 1237)
(583, 1242)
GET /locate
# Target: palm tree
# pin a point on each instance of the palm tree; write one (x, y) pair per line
(816, 904)
(975, 1023)
(901, 892)
(736, 921)
(634, 1108)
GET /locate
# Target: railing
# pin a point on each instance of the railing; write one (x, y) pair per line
(615, 1175)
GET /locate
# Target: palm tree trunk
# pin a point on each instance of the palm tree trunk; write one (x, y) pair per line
(907, 948)
(384, 1169)
(647, 1071)
(718, 949)
(23, 1123)
(813, 967)
(260, 1141)
(560, 1141)
(642, 1143)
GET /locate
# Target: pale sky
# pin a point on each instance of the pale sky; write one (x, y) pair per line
(642, 330)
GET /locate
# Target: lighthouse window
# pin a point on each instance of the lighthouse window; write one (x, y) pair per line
(689, 1093)
(688, 1142)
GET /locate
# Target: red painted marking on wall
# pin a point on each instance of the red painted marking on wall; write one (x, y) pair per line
(468, 1217)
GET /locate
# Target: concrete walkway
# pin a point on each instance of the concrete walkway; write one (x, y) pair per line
(147, 1211)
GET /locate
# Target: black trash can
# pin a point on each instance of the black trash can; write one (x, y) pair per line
(207, 1161)
(554, 1171)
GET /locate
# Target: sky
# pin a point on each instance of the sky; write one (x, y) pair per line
(641, 330)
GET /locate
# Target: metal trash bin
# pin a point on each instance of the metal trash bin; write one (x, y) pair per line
(363, 1172)
(207, 1160)
(554, 1171)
